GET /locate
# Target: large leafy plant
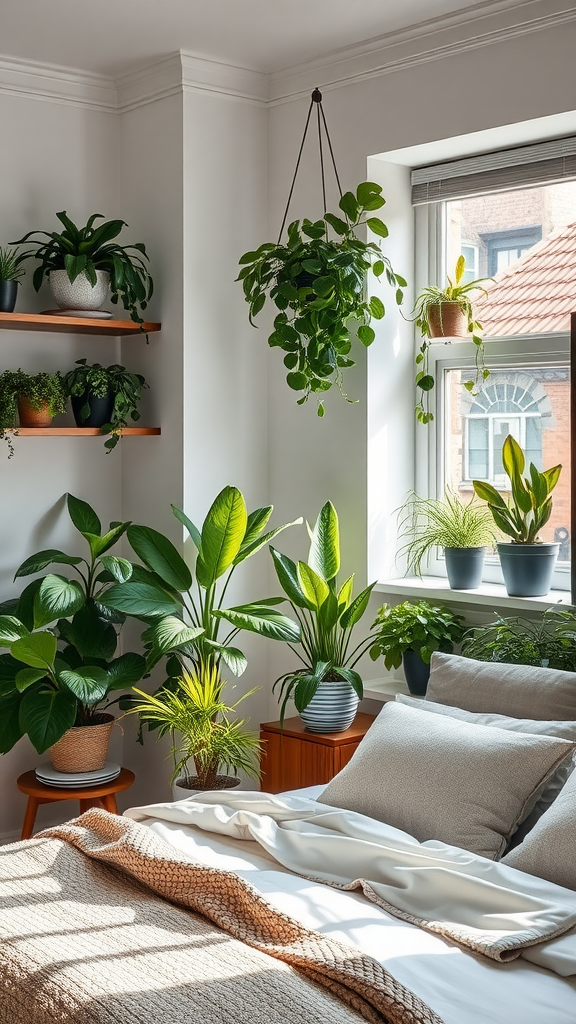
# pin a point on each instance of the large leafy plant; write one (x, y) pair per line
(97, 381)
(530, 506)
(327, 613)
(318, 286)
(61, 667)
(548, 641)
(184, 610)
(421, 627)
(88, 249)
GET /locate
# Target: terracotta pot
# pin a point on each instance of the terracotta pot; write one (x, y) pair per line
(447, 320)
(30, 417)
(84, 748)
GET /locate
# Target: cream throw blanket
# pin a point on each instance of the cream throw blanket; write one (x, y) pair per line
(481, 904)
(85, 940)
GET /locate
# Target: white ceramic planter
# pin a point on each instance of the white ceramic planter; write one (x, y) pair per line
(79, 294)
(332, 709)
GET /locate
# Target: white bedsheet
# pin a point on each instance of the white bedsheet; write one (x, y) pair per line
(461, 987)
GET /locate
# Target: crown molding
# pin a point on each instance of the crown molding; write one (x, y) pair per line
(57, 84)
(491, 22)
(200, 75)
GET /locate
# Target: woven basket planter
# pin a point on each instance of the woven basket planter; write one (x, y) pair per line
(83, 748)
(447, 320)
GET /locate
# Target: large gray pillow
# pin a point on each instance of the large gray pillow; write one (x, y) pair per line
(549, 850)
(438, 778)
(519, 691)
(564, 730)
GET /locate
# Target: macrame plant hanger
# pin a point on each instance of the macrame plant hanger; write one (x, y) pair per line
(316, 98)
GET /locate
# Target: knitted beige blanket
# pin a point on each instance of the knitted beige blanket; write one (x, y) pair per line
(88, 935)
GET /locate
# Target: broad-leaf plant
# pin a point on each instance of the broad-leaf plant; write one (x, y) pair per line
(318, 286)
(61, 667)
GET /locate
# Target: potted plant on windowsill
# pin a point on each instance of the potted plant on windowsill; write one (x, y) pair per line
(104, 396)
(327, 689)
(57, 681)
(203, 732)
(30, 400)
(548, 641)
(407, 634)
(318, 286)
(11, 272)
(447, 313)
(463, 530)
(527, 562)
(85, 265)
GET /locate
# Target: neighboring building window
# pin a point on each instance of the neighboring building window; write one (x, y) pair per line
(503, 248)
(471, 255)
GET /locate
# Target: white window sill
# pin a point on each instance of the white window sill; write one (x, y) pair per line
(387, 687)
(488, 595)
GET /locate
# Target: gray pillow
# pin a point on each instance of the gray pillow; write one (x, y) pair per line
(438, 778)
(549, 851)
(520, 691)
(564, 730)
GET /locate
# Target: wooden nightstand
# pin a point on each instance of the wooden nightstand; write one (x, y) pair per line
(294, 758)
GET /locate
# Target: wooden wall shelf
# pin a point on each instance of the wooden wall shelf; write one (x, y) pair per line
(79, 431)
(73, 325)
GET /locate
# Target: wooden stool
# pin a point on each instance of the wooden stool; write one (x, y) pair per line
(89, 796)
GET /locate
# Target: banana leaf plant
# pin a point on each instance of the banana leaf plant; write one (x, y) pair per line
(56, 677)
(327, 613)
(186, 619)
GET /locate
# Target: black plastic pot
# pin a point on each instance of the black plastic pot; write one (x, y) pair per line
(8, 293)
(528, 568)
(101, 409)
(464, 567)
(417, 673)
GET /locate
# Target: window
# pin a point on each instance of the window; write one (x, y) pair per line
(470, 254)
(503, 248)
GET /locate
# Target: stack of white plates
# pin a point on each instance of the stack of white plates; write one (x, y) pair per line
(47, 774)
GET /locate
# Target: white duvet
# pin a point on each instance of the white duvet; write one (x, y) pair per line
(258, 838)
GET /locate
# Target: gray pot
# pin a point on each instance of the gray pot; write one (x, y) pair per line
(416, 672)
(528, 568)
(79, 294)
(464, 567)
(332, 708)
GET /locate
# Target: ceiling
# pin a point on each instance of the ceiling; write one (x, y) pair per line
(114, 36)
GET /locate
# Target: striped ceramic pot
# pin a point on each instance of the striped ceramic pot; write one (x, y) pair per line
(332, 709)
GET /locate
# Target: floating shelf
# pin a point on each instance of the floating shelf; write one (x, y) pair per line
(73, 324)
(79, 431)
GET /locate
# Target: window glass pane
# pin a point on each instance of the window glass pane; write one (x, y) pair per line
(532, 404)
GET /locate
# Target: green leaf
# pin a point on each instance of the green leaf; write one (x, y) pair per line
(192, 530)
(39, 561)
(263, 620)
(250, 549)
(160, 555)
(255, 523)
(367, 192)
(83, 516)
(9, 669)
(356, 610)
(46, 714)
(512, 458)
(37, 650)
(328, 613)
(377, 227)
(314, 588)
(324, 556)
(232, 656)
(288, 576)
(297, 381)
(26, 676)
(140, 599)
(488, 493)
(170, 633)
(340, 226)
(10, 729)
(98, 545)
(349, 205)
(345, 593)
(376, 307)
(88, 683)
(552, 476)
(353, 678)
(119, 568)
(91, 635)
(222, 535)
(378, 268)
(125, 671)
(366, 334)
(11, 629)
(57, 598)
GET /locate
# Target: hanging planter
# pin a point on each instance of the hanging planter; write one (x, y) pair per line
(318, 283)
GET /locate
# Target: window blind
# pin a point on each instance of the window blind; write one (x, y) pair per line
(537, 164)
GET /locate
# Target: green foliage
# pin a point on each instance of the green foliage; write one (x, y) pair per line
(318, 286)
(194, 710)
(96, 381)
(419, 626)
(326, 612)
(426, 523)
(530, 505)
(10, 264)
(88, 249)
(70, 667)
(39, 388)
(433, 297)
(549, 640)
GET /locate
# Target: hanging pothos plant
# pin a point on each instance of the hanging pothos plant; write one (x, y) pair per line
(318, 285)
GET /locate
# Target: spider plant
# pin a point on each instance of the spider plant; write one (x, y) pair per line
(445, 522)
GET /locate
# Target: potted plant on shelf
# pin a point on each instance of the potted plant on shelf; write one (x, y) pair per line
(548, 641)
(463, 530)
(57, 681)
(85, 265)
(407, 634)
(11, 272)
(104, 396)
(527, 562)
(327, 689)
(447, 313)
(203, 732)
(318, 286)
(32, 399)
